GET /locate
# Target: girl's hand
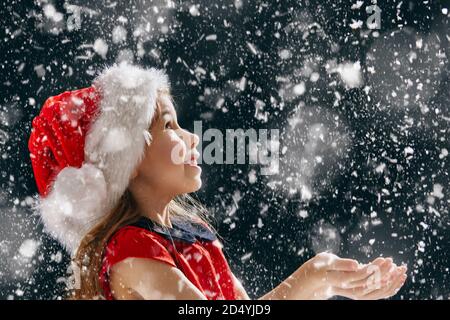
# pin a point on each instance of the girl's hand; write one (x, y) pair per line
(384, 282)
(327, 275)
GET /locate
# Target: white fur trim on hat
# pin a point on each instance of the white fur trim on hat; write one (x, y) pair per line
(115, 145)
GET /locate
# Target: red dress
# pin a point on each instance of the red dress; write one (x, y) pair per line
(198, 254)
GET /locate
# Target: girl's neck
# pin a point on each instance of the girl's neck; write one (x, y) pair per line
(153, 205)
(160, 217)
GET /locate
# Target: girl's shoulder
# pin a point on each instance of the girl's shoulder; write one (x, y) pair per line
(131, 234)
(131, 241)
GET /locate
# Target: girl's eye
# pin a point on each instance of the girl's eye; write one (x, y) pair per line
(168, 125)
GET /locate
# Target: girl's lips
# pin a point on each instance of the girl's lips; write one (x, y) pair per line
(193, 160)
(192, 163)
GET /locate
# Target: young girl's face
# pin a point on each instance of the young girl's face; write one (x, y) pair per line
(170, 161)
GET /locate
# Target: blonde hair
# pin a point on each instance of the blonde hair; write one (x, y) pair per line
(89, 256)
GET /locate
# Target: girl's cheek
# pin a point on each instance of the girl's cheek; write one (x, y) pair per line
(175, 151)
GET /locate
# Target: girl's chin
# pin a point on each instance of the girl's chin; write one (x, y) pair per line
(194, 186)
(193, 170)
(193, 177)
(194, 181)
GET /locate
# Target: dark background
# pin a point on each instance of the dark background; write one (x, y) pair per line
(364, 170)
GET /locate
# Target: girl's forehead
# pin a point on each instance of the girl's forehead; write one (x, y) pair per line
(165, 107)
(165, 100)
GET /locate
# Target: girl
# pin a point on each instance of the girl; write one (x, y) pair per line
(114, 170)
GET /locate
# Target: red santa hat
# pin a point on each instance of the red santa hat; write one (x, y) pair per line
(85, 145)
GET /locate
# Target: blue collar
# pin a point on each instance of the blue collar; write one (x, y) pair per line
(181, 230)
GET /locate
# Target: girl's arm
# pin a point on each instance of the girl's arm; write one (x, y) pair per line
(298, 286)
(321, 277)
(150, 279)
(240, 291)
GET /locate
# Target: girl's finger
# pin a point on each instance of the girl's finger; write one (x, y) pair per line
(373, 282)
(371, 292)
(384, 269)
(340, 264)
(395, 287)
(352, 293)
(381, 294)
(386, 292)
(364, 276)
(343, 279)
(358, 278)
(378, 261)
(362, 293)
(378, 276)
(381, 273)
(361, 283)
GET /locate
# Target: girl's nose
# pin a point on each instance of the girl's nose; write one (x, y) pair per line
(195, 140)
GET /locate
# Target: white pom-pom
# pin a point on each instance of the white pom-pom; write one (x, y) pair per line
(84, 189)
(74, 205)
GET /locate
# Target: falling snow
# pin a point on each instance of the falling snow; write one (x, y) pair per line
(363, 116)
